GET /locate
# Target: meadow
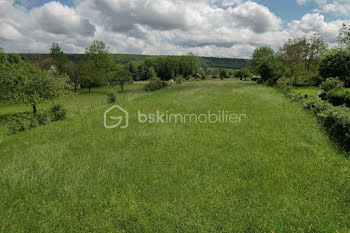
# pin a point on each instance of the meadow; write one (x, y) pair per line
(276, 171)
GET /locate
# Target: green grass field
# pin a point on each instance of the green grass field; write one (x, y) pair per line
(276, 171)
(310, 91)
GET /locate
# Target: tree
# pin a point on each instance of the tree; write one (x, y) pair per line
(60, 59)
(303, 50)
(271, 70)
(133, 68)
(3, 57)
(73, 73)
(344, 37)
(223, 74)
(243, 74)
(260, 55)
(336, 64)
(121, 76)
(26, 83)
(99, 63)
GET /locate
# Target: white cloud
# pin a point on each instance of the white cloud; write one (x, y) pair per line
(315, 23)
(56, 18)
(8, 32)
(225, 28)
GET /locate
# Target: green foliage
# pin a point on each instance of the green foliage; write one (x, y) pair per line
(9, 58)
(111, 97)
(223, 63)
(60, 59)
(260, 56)
(336, 120)
(25, 83)
(72, 70)
(331, 83)
(344, 37)
(179, 79)
(155, 84)
(21, 123)
(223, 74)
(26, 121)
(336, 64)
(133, 69)
(284, 83)
(168, 67)
(271, 70)
(14, 58)
(95, 70)
(302, 54)
(190, 78)
(338, 97)
(243, 74)
(120, 77)
(58, 112)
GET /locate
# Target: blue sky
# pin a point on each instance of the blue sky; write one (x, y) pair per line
(168, 26)
(286, 9)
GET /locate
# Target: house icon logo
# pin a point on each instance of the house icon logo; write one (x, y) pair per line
(115, 117)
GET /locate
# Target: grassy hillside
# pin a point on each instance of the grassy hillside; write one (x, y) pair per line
(274, 172)
(213, 62)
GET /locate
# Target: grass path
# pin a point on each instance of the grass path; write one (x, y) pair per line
(274, 172)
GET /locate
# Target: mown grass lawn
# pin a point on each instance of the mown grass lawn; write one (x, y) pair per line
(275, 172)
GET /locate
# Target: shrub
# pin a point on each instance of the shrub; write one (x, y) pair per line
(331, 83)
(190, 78)
(155, 84)
(20, 123)
(336, 65)
(42, 118)
(179, 79)
(111, 97)
(284, 83)
(260, 81)
(58, 112)
(339, 97)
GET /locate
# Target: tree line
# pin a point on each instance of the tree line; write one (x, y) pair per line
(304, 61)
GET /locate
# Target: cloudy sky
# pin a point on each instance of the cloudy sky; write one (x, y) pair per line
(223, 28)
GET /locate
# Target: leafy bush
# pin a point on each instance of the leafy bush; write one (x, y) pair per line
(243, 74)
(339, 97)
(111, 97)
(284, 83)
(331, 83)
(58, 112)
(179, 79)
(336, 65)
(42, 118)
(20, 123)
(260, 81)
(155, 84)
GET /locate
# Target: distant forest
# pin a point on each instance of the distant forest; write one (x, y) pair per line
(210, 62)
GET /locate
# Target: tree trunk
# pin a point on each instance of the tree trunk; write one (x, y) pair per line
(89, 89)
(34, 108)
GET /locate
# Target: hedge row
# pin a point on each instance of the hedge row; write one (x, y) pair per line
(335, 119)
